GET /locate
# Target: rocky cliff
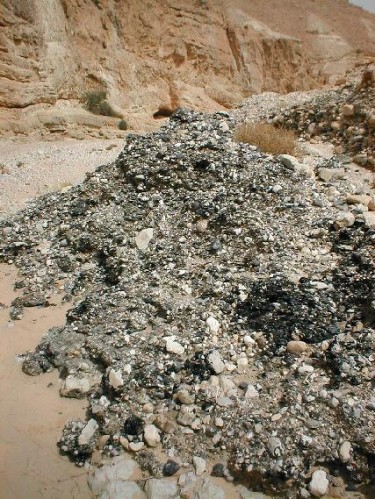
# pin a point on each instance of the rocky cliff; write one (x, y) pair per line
(153, 56)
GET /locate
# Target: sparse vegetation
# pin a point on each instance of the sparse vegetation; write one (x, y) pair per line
(96, 102)
(123, 125)
(267, 138)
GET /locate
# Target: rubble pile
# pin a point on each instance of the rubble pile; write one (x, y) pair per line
(223, 309)
(344, 116)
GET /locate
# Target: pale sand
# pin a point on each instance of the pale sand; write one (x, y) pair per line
(32, 414)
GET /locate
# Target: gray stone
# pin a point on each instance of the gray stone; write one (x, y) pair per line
(224, 402)
(162, 489)
(328, 174)
(121, 490)
(88, 432)
(274, 446)
(120, 468)
(248, 494)
(251, 392)
(289, 161)
(210, 490)
(199, 465)
(143, 238)
(369, 218)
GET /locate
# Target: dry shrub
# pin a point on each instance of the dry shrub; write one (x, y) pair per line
(267, 138)
(96, 102)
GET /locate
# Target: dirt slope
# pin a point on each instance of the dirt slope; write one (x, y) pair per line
(155, 55)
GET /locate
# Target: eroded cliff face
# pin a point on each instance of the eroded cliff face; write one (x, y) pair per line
(153, 56)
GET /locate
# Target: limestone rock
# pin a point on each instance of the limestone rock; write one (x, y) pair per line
(296, 347)
(88, 432)
(289, 161)
(74, 387)
(151, 435)
(161, 489)
(216, 362)
(319, 483)
(143, 238)
(200, 465)
(120, 469)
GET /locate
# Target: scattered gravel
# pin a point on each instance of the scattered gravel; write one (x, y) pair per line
(221, 302)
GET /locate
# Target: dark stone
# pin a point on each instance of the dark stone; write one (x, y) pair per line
(133, 426)
(218, 470)
(170, 468)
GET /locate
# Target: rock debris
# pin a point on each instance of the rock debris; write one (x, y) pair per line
(219, 312)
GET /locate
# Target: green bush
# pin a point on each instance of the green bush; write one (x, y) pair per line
(123, 125)
(96, 102)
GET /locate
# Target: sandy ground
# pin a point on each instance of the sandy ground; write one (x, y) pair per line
(32, 414)
(32, 168)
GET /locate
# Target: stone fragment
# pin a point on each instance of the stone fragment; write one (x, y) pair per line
(88, 432)
(151, 435)
(117, 489)
(161, 489)
(347, 110)
(224, 402)
(345, 219)
(242, 364)
(185, 397)
(124, 442)
(328, 174)
(202, 226)
(200, 465)
(296, 347)
(219, 422)
(319, 483)
(369, 219)
(170, 468)
(345, 451)
(120, 468)
(102, 442)
(74, 387)
(224, 127)
(358, 199)
(210, 490)
(218, 470)
(213, 325)
(289, 161)
(143, 238)
(174, 347)
(115, 379)
(249, 494)
(274, 446)
(228, 386)
(136, 446)
(216, 362)
(251, 392)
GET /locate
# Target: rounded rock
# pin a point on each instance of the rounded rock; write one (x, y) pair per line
(319, 483)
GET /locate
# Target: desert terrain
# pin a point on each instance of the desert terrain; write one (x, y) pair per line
(182, 312)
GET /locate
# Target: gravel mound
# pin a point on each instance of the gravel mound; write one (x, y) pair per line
(224, 309)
